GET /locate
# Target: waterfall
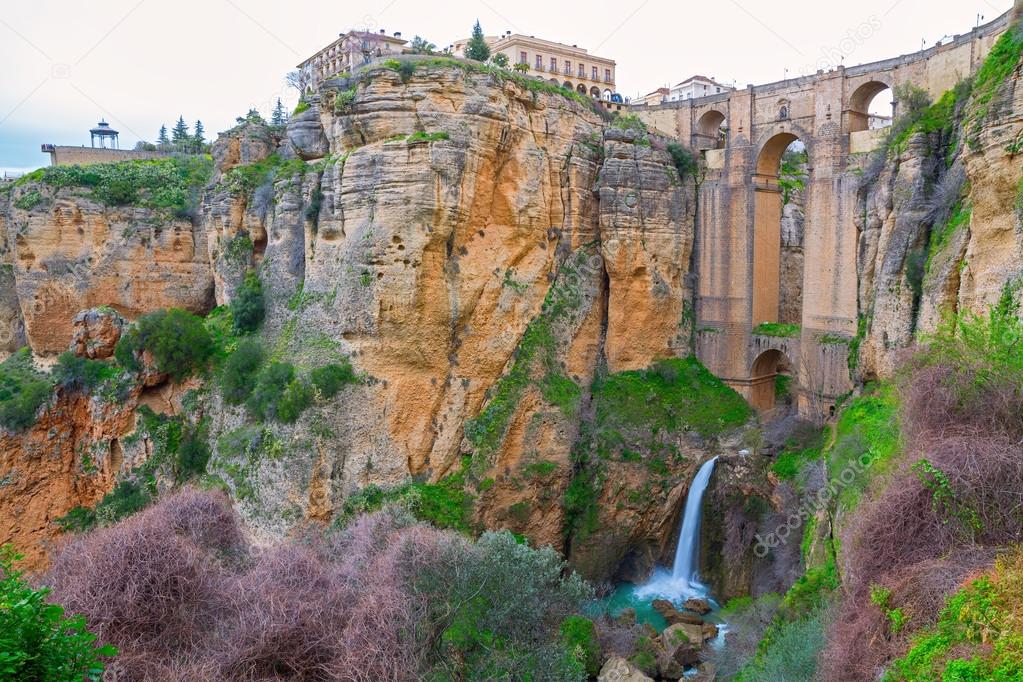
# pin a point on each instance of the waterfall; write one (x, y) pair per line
(684, 579)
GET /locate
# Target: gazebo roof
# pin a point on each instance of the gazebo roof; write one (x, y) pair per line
(103, 128)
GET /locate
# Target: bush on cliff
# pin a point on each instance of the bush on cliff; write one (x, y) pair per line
(248, 307)
(240, 370)
(23, 390)
(279, 394)
(177, 340)
(37, 640)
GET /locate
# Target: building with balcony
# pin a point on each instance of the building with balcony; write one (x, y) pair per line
(567, 65)
(350, 50)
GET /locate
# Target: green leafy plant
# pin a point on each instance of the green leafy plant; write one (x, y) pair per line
(330, 379)
(239, 373)
(579, 635)
(37, 640)
(248, 307)
(23, 390)
(177, 340)
(777, 329)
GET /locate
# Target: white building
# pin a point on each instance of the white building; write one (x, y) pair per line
(695, 87)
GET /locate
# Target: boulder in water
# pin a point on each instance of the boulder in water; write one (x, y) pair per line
(673, 615)
(697, 605)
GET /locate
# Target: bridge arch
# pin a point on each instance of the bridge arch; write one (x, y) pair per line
(764, 378)
(859, 104)
(777, 268)
(708, 130)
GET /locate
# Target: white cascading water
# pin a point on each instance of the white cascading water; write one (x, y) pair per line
(683, 581)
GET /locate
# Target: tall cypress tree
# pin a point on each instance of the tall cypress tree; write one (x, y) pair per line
(477, 47)
(161, 139)
(279, 117)
(199, 139)
(179, 135)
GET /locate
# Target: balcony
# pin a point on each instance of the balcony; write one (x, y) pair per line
(608, 79)
(539, 67)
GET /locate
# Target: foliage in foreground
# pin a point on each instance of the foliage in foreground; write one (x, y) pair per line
(978, 636)
(37, 641)
(434, 604)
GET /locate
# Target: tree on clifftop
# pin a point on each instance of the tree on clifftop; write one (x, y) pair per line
(477, 47)
(179, 135)
(161, 139)
(199, 139)
(279, 117)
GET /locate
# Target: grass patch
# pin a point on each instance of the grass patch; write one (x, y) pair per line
(778, 330)
(941, 236)
(867, 432)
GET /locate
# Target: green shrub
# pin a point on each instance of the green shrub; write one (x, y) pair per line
(444, 504)
(192, 456)
(77, 520)
(28, 200)
(579, 634)
(301, 107)
(500, 618)
(685, 161)
(238, 376)
(177, 339)
(330, 379)
(644, 656)
(248, 307)
(297, 396)
(37, 641)
(23, 390)
(279, 394)
(74, 372)
(127, 498)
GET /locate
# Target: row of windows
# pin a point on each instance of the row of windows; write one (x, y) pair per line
(539, 65)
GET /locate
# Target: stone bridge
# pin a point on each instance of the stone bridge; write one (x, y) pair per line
(742, 136)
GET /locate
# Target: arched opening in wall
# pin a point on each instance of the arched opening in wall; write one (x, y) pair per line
(780, 187)
(710, 131)
(567, 86)
(871, 107)
(595, 92)
(771, 381)
(553, 81)
(607, 95)
(581, 89)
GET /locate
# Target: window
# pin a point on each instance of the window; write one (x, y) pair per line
(554, 64)
(523, 58)
(607, 75)
(539, 62)
(582, 71)
(717, 89)
(568, 68)
(593, 72)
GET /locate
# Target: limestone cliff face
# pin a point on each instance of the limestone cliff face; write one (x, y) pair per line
(450, 220)
(940, 231)
(68, 253)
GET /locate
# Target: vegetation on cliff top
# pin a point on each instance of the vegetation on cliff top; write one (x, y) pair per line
(23, 390)
(171, 184)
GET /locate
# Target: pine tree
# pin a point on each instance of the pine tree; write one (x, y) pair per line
(477, 47)
(162, 137)
(179, 134)
(279, 117)
(199, 139)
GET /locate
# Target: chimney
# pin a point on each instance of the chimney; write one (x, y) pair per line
(397, 34)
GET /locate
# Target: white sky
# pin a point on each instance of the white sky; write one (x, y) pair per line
(139, 63)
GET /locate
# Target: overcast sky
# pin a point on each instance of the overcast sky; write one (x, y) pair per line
(64, 64)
